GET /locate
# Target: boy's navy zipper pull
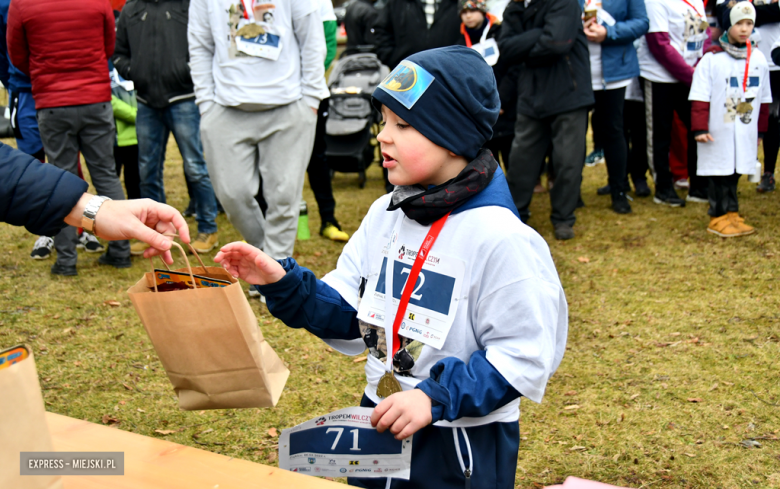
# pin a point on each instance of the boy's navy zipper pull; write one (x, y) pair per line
(467, 473)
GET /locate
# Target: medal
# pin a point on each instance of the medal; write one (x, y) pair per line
(745, 107)
(388, 385)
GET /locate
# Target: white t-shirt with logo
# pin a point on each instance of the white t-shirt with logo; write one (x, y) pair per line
(510, 303)
(719, 79)
(246, 52)
(686, 34)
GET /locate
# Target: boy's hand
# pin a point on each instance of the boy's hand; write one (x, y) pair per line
(251, 265)
(403, 413)
(704, 138)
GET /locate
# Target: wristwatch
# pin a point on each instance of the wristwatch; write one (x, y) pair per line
(90, 211)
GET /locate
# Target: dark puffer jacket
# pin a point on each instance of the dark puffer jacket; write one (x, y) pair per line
(546, 37)
(35, 195)
(64, 48)
(401, 29)
(151, 49)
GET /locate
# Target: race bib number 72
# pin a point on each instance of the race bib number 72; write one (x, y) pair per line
(344, 444)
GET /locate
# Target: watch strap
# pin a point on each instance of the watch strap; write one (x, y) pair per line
(90, 212)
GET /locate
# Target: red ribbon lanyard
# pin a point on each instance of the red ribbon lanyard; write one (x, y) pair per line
(747, 67)
(430, 238)
(694, 8)
(246, 12)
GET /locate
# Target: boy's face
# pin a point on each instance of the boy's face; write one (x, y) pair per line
(740, 32)
(410, 157)
(472, 18)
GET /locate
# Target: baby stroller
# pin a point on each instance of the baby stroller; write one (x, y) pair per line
(351, 117)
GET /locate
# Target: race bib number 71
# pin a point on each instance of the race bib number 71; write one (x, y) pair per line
(344, 444)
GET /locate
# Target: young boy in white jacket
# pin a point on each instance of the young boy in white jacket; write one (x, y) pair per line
(484, 322)
(730, 98)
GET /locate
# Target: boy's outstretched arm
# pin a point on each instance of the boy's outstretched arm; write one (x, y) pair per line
(250, 264)
(293, 293)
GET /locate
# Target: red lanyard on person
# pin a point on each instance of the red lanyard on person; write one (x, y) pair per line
(246, 10)
(388, 384)
(694, 8)
(747, 67)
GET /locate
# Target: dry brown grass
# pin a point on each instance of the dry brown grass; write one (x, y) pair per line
(671, 361)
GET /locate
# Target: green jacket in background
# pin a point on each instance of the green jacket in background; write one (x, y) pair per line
(124, 115)
(330, 41)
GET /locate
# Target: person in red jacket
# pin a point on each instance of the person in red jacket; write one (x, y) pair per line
(65, 52)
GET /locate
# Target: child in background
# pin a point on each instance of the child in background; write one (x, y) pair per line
(730, 98)
(125, 107)
(488, 284)
(480, 29)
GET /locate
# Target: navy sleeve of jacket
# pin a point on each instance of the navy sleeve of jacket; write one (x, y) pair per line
(5, 75)
(302, 301)
(36, 195)
(461, 389)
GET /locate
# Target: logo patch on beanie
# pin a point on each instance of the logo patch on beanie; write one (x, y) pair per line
(407, 83)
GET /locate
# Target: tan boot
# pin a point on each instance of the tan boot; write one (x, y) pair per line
(739, 224)
(723, 227)
(138, 248)
(205, 242)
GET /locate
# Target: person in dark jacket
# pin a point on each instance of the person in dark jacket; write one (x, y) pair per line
(554, 94)
(166, 103)
(405, 27)
(45, 199)
(65, 53)
(359, 23)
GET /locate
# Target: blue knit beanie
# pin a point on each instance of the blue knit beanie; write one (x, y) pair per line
(448, 94)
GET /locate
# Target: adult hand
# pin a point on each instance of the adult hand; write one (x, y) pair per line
(251, 265)
(403, 413)
(595, 32)
(141, 219)
(704, 138)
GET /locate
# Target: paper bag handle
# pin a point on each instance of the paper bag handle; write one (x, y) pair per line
(189, 267)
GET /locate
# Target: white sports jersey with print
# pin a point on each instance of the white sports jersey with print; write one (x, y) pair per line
(510, 304)
(684, 21)
(719, 80)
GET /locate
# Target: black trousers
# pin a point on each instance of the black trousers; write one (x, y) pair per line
(609, 126)
(319, 172)
(663, 100)
(772, 136)
(127, 157)
(722, 194)
(501, 146)
(635, 131)
(533, 137)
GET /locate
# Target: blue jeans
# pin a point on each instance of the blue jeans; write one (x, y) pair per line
(153, 127)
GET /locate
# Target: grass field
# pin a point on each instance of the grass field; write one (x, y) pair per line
(671, 364)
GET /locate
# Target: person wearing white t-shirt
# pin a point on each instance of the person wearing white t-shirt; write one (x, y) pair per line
(676, 40)
(259, 78)
(730, 98)
(611, 30)
(766, 33)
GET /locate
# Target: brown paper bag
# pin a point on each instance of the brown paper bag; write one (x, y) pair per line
(23, 425)
(209, 343)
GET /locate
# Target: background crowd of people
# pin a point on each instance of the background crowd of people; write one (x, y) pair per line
(241, 85)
